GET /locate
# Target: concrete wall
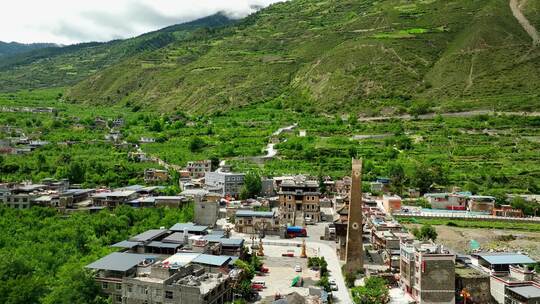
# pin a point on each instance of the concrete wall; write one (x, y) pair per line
(437, 280)
(478, 288)
(206, 213)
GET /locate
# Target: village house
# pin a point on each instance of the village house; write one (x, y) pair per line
(481, 203)
(391, 203)
(224, 182)
(155, 176)
(511, 276)
(260, 222)
(449, 201)
(199, 168)
(113, 199)
(299, 201)
(427, 272)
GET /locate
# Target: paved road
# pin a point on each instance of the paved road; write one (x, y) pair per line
(334, 265)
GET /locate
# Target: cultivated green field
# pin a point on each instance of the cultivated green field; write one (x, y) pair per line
(480, 153)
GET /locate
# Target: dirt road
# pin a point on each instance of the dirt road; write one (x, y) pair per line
(515, 6)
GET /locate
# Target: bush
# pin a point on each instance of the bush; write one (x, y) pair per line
(350, 277)
(374, 291)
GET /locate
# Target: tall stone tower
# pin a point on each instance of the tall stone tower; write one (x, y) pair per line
(354, 256)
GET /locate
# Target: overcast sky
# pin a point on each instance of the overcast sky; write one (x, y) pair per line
(72, 21)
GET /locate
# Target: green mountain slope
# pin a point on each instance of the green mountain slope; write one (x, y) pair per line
(12, 48)
(67, 65)
(347, 55)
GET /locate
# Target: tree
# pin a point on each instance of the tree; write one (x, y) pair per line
(252, 185)
(374, 291)
(76, 172)
(215, 162)
(397, 176)
(196, 144)
(76, 285)
(156, 126)
(427, 232)
(528, 208)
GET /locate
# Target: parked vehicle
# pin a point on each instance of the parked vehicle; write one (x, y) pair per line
(257, 287)
(298, 268)
(264, 269)
(288, 254)
(309, 221)
(296, 231)
(261, 283)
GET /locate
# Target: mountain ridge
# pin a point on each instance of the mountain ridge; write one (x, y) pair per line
(53, 67)
(13, 48)
(363, 56)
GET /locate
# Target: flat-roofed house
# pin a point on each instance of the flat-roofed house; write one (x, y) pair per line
(113, 199)
(265, 222)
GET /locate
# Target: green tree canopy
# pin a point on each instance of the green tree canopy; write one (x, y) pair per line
(374, 291)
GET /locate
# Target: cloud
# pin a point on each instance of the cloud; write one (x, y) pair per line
(72, 21)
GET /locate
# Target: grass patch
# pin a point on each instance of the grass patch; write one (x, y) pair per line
(533, 227)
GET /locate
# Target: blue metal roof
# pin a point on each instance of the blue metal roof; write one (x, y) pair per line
(213, 260)
(249, 213)
(119, 261)
(126, 244)
(506, 258)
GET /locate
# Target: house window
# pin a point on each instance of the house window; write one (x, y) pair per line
(118, 286)
(130, 288)
(104, 285)
(168, 294)
(119, 298)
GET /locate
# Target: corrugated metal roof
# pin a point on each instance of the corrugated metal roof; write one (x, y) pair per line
(506, 258)
(528, 292)
(232, 242)
(118, 261)
(148, 235)
(213, 260)
(181, 258)
(249, 213)
(156, 244)
(189, 226)
(176, 237)
(126, 244)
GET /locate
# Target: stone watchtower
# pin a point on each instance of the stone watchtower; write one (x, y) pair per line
(354, 256)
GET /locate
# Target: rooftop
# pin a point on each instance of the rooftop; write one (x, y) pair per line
(125, 193)
(503, 258)
(213, 260)
(126, 244)
(528, 292)
(148, 235)
(249, 213)
(190, 227)
(119, 261)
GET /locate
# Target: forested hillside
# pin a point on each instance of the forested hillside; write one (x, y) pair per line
(350, 55)
(43, 254)
(54, 67)
(12, 48)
